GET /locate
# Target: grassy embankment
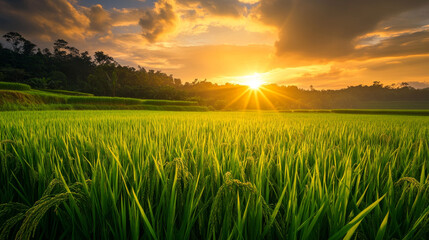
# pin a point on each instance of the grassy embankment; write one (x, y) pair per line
(16, 96)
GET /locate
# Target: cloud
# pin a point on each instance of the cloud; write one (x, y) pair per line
(158, 21)
(327, 29)
(389, 70)
(334, 73)
(233, 8)
(419, 84)
(45, 19)
(415, 43)
(321, 76)
(126, 16)
(51, 19)
(99, 19)
(407, 20)
(208, 61)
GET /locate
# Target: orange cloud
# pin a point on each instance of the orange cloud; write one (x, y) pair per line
(99, 19)
(232, 8)
(158, 21)
(46, 19)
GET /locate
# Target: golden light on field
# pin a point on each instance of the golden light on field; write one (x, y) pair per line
(253, 81)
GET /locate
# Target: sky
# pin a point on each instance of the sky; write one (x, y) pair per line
(327, 44)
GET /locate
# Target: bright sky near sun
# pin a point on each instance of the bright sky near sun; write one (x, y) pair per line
(292, 42)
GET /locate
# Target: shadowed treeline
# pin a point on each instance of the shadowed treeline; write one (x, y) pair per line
(273, 96)
(65, 67)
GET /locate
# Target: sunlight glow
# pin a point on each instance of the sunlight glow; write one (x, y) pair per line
(258, 95)
(253, 81)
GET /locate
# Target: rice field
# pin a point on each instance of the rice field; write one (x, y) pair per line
(213, 175)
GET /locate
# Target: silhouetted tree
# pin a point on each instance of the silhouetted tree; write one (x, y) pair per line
(15, 39)
(59, 45)
(101, 58)
(28, 47)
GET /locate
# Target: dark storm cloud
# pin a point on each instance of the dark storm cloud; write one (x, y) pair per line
(411, 19)
(405, 44)
(158, 21)
(46, 18)
(218, 7)
(328, 28)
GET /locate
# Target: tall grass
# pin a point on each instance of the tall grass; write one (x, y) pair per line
(65, 92)
(14, 86)
(155, 175)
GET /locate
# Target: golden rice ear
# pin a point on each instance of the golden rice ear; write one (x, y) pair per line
(228, 191)
(11, 214)
(52, 185)
(9, 224)
(410, 182)
(31, 217)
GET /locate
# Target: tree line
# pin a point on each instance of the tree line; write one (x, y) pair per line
(66, 67)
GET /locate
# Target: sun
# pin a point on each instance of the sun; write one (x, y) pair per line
(254, 81)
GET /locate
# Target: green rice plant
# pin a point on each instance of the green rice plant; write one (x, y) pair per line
(224, 204)
(222, 175)
(55, 194)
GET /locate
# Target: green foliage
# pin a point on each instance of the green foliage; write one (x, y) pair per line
(158, 175)
(14, 86)
(57, 79)
(67, 68)
(38, 82)
(65, 92)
